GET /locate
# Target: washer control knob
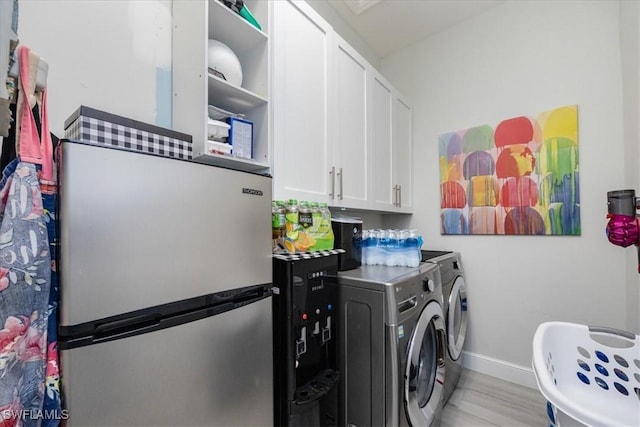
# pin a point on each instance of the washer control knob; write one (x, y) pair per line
(428, 285)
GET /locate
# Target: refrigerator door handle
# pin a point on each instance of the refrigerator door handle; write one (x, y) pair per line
(117, 327)
(159, 317)
(239, 295)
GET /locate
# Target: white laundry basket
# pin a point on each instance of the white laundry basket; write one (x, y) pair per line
(590, 375)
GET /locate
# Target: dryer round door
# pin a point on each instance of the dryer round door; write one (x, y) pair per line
(457, 318)
(424, 373)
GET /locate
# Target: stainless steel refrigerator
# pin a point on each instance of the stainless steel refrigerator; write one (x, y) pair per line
(165, 279)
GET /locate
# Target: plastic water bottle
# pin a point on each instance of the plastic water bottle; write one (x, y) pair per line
(371, 245)
(413, 248)
(305, 216)
(383, 237)
(326, 230)
(389, 237)
(403, 250)
(393, 252)
(375, 249)
(365, 247)
(316, 216)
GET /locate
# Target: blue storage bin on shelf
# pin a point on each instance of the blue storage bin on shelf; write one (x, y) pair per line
(241, 137)
(589, 375)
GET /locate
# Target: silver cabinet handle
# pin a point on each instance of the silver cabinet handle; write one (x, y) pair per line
(395, 195)
(399, 196)
(332, 173)
(340, 193)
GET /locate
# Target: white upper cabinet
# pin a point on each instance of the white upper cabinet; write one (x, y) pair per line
(302, 133)
(349, 114)
(341, 132)
(403, 154)
(382, 185)
(391, 148)
(195, 88)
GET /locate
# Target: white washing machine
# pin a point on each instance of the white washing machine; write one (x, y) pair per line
(391, 346)
(454, 290)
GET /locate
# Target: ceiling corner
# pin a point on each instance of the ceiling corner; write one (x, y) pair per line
(359, 6)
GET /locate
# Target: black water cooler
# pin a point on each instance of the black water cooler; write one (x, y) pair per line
(305, 354)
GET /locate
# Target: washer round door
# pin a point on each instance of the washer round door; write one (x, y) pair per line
(424, 374)
(457, 318)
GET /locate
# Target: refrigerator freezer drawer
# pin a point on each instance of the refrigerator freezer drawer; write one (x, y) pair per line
(211, 372)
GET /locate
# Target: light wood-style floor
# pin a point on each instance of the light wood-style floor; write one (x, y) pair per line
(482, 400)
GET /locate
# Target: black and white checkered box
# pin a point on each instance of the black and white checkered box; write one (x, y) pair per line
(98, 127)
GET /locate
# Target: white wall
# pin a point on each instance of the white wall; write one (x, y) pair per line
(630, 48)
(111, 55)
(523, 58)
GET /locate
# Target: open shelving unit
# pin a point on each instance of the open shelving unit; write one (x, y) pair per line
(194, 23)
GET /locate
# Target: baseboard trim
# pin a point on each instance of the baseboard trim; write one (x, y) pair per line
(500, 369)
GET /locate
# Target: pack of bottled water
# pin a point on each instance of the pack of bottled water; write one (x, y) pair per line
(391, 247)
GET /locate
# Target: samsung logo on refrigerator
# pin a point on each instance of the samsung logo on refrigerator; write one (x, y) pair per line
(252, 191)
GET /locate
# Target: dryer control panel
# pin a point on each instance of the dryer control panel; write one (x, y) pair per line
(414, 291)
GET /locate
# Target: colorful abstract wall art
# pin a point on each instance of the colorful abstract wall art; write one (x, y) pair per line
(520, 177)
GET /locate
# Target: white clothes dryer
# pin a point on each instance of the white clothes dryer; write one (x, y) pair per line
(391, 346)
(454, 290)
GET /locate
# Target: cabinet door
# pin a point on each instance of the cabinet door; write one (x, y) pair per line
(382, 186)
(349, 116)
(302, 41)
(402, 154)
